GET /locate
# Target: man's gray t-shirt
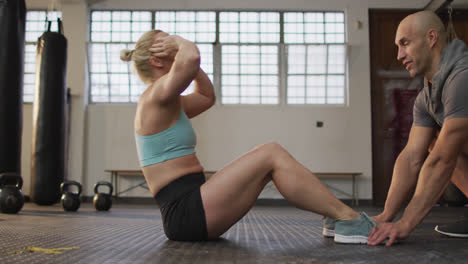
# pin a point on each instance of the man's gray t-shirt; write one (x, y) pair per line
(454, 101)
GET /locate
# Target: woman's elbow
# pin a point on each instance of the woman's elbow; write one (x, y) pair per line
(212, 100)
(194, 59)
(193, 65)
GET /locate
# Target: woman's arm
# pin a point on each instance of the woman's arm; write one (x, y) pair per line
(185, 66)
(202, 98)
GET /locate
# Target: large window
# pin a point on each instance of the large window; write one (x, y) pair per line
(111, 79)
(249, 51)
(251, 57)
(36, 24)
(199, 27)
(111, 31)
(316, 58)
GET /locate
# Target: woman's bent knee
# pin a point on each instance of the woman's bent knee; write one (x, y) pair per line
(271, 147)
(274, 154)
(269, 151)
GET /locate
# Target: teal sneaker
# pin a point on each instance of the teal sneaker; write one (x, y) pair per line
(328, 227)
(354, 231)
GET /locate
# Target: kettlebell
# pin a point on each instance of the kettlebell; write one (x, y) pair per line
(70, 200)
(11, 197)
(102, 201)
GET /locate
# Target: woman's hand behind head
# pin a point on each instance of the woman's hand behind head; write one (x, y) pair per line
(165, 47)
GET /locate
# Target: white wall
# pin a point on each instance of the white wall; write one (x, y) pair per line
(102, 135)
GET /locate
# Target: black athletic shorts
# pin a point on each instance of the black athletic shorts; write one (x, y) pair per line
(182, 210)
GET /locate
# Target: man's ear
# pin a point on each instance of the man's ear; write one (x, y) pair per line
(432, 37)
(156, 62)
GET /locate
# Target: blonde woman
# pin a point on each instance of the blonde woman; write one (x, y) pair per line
(194, 209)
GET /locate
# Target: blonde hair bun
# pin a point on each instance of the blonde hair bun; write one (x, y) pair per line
(126, 54)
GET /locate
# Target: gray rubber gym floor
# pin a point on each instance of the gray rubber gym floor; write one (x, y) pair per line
(268, 234)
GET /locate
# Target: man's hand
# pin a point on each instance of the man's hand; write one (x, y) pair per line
(379, 219)
(392, 231)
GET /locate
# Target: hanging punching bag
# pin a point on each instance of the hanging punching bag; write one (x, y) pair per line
(48, 143)
(12, 24)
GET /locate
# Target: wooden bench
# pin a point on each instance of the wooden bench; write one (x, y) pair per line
(116, 174)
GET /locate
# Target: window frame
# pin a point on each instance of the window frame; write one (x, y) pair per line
(217, 58)
(33, 43)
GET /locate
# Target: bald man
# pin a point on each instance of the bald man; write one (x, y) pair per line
(437, 148)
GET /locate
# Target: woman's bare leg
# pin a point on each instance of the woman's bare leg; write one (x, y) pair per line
(230, 193)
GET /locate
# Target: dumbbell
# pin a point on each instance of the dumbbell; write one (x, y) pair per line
(102, 201)
(70, 200)
(11, 197)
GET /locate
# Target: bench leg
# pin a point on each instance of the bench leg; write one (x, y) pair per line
(355, 192)
(116, 186)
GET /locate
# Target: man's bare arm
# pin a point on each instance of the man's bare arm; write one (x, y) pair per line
(406, 171)
(437, 170)
(433, 179)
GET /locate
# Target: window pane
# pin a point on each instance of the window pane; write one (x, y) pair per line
(336, 59)
(199, 27)
(269, 60)
(316, 59)
(112, 80)
(315, 89)
(100, 25)
(249, 74)
(119, 26)
(335, 91)
(229, 27)
(296, 88)
(206, 64)
(314, 63)
(250, 59)
(315, 55)
(316, 69)
(110, 77)
(314, 27)
(249, 27)
(296, 59)
(36, 25)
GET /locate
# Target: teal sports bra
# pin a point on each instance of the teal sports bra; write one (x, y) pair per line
(176, 141)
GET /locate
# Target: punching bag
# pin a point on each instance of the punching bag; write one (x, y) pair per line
(48, 143)
(12, 25)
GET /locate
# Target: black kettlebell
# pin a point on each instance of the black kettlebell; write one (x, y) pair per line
(102, 201)
(11, 197)
(70, 200)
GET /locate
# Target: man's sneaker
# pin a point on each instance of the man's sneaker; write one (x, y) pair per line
(457, 229)
(328, 227)
(354, 231)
